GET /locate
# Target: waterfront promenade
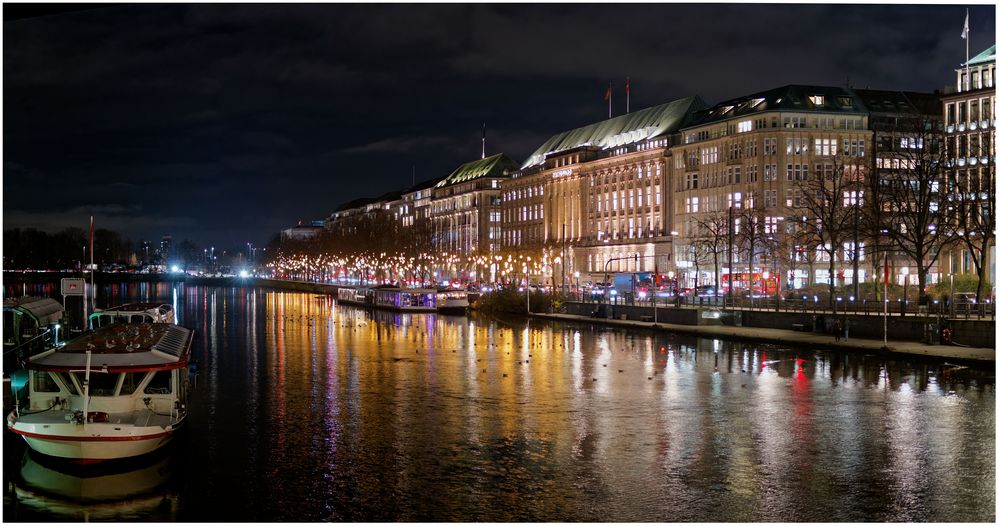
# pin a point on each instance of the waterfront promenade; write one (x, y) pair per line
(795, 338)
(783, 336)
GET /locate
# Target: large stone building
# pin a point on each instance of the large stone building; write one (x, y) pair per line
(596, 194)
(465, 207)
(969, 151)
(755, 153)
(906, 145)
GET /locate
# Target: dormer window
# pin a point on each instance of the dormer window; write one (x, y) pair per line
(817, 100)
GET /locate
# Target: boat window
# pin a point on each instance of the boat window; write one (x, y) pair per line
(165, 309)
(101, 384)
(44, 383)
(64, 380)
(131, 382)
(101, 320)
(141, 318)
(160, 383)
(9, 334)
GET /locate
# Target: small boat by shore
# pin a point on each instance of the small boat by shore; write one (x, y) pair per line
(132, 313)
(452, 301)
(117, 392)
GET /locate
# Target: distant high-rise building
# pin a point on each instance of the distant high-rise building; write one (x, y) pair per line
(166, 247)
(146, 251)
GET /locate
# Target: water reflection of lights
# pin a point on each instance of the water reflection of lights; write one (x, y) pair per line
(419, 403)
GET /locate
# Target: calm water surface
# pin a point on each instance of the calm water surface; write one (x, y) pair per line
(308, 411)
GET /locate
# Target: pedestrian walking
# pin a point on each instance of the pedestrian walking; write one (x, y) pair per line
(838, 329)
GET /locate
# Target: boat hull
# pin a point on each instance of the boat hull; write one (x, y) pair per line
(98, 443)
(453, 309)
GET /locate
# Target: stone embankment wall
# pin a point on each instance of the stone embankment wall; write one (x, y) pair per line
(974, 333)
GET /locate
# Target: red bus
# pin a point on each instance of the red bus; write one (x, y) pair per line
(762, 283)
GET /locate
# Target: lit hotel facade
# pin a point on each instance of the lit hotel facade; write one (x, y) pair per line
(632, 193)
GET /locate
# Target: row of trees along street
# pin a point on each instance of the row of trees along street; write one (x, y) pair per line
(911, 208)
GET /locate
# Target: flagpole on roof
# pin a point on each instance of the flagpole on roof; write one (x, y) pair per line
(608, 96)
(967, 40)
(483, 140)
(627, 94)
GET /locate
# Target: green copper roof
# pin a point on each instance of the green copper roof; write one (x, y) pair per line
(624, 129)
(989, 55)
(498, 165)
(792, 97)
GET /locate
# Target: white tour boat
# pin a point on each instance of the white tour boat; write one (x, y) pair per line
(132, 313)
(117, 392)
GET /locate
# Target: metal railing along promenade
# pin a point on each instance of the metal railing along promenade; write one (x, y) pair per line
(895, 307)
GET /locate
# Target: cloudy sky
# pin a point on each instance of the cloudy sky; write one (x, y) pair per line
(225, 123)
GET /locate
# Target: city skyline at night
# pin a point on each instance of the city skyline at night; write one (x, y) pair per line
(267, 115)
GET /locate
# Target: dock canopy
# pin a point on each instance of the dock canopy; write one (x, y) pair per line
(45, 311)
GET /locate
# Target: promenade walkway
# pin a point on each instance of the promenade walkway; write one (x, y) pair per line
(798, 339)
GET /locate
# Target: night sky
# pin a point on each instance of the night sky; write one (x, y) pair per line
(226, 123)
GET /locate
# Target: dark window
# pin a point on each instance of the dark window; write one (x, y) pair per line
(101, 384)
(44, 383)
(160, 384)
(132, 380)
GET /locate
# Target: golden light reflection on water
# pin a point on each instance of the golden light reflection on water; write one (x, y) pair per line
(312, 411)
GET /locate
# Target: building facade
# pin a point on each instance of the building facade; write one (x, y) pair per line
(747, 161)
(593, 197)
(464, 209)
(969, 153)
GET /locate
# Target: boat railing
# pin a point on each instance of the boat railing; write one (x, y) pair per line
(28, 347)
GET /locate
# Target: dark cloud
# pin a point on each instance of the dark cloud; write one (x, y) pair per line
(224, 123)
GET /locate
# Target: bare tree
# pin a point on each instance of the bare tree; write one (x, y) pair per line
(825, 201)
(713, 237)
(916, 214)
(699, 252)
(971, 197)
(749, 234)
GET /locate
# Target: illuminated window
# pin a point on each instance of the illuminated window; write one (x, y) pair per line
(745, 126)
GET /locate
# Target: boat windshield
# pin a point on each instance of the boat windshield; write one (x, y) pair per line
(159, 384)
(44, 383)
(131, 382)
(66, 381)
(101, 384)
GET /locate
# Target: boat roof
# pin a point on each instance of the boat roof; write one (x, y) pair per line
(45, 310)
(122, 347)
(136, 307)
(390, 288)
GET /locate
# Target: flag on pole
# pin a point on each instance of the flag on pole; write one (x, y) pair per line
(607, 97)
(91, 240)
(627, 94)
(964, 34)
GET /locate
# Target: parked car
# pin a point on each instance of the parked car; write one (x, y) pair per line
(706, 290)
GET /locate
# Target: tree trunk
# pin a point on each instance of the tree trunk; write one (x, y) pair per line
(921, 280)
(832, 279)
(717, 276)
